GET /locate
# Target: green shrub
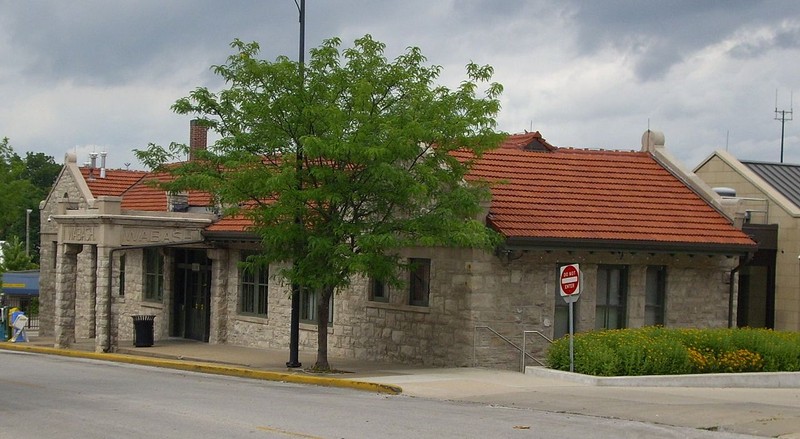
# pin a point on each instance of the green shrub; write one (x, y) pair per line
(595, 359)
(661, 351)
(778, 349)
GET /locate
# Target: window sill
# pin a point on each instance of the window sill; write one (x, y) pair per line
(307, 326)
(252, 318)
(153, 305)
(398, 307)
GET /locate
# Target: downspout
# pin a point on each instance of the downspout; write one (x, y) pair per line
(109, 288)
(747, 258)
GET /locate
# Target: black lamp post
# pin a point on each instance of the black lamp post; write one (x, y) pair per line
(294, 325)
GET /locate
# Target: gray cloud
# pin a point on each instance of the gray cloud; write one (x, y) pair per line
(661, 34)
(102, 75)
(111, 43)
(784, 36)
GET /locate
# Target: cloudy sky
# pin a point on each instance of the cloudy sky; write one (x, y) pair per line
(101, 75)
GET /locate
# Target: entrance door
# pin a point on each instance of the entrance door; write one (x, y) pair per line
(756, 301)
(192, 307)
(756, 304)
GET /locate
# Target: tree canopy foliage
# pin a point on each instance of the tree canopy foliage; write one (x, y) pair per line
(24, 182)
(14, 256)
(342, 162)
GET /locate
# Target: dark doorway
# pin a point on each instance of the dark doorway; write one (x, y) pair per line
(191, 310)
(756, 299)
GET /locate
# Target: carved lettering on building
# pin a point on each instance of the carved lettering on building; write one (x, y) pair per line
(79, 234)
(139, 236)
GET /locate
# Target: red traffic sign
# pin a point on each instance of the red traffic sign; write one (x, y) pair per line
(569, 280)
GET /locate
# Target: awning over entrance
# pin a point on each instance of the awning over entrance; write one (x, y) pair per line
(21, 283)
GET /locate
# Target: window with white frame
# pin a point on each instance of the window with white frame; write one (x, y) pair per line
(254, 290)
(612, 297)
(153, 275)
(308, 306)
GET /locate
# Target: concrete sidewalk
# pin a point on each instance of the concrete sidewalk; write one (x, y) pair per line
(772, 411)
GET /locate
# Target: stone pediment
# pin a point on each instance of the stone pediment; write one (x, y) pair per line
(107, 226)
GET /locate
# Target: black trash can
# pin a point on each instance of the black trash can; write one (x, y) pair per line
(143, 331)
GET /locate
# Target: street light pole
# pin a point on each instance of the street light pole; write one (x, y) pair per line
(294, 324)
(28, 232)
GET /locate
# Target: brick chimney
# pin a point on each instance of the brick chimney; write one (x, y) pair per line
(198, 137)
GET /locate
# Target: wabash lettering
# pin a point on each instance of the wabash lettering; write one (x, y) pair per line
(79, 234)
(148, 236)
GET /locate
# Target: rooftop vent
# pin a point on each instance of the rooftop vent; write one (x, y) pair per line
(725, 191)
(652, 140)
(92, 164)
(103, 155)
(178, 202)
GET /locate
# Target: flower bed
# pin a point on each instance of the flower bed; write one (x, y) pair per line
(656, 350)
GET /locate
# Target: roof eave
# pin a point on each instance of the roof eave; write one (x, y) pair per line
(528, 243)
(228, 235)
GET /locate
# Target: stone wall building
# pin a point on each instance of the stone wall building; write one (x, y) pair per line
(653, 244)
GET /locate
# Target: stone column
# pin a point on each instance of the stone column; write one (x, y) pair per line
(637, 284)
(102, 311)
(219, 297)
(47, 285)
(66, 272)
(162, 324)
(85, 293)
(588, 299)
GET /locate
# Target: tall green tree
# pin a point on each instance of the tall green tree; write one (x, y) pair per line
(342, 162)
(14, 256)
(41, 170)
(24, 182)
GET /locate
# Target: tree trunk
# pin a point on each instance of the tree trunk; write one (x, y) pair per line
(323, 309)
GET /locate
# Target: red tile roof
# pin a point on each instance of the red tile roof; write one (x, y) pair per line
(235, 223)
(115, 182)
(136, 189)
(528, 141)
(540, 193)
(144, 196)
(585, 195)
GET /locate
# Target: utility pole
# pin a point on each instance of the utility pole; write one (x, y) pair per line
(28, 232)
(783, 116)
(294, 325)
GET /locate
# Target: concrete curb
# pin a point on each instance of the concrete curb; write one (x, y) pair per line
(761, 380)
(210, 368)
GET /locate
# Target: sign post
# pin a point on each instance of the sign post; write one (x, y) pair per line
(569, 285)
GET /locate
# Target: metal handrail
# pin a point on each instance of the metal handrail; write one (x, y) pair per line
(502, 337)
(524, 342)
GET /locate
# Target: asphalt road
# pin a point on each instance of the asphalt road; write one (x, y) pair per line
(45, 396)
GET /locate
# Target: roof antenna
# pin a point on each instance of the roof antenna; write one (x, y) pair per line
(783, 116)
(727, 136)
